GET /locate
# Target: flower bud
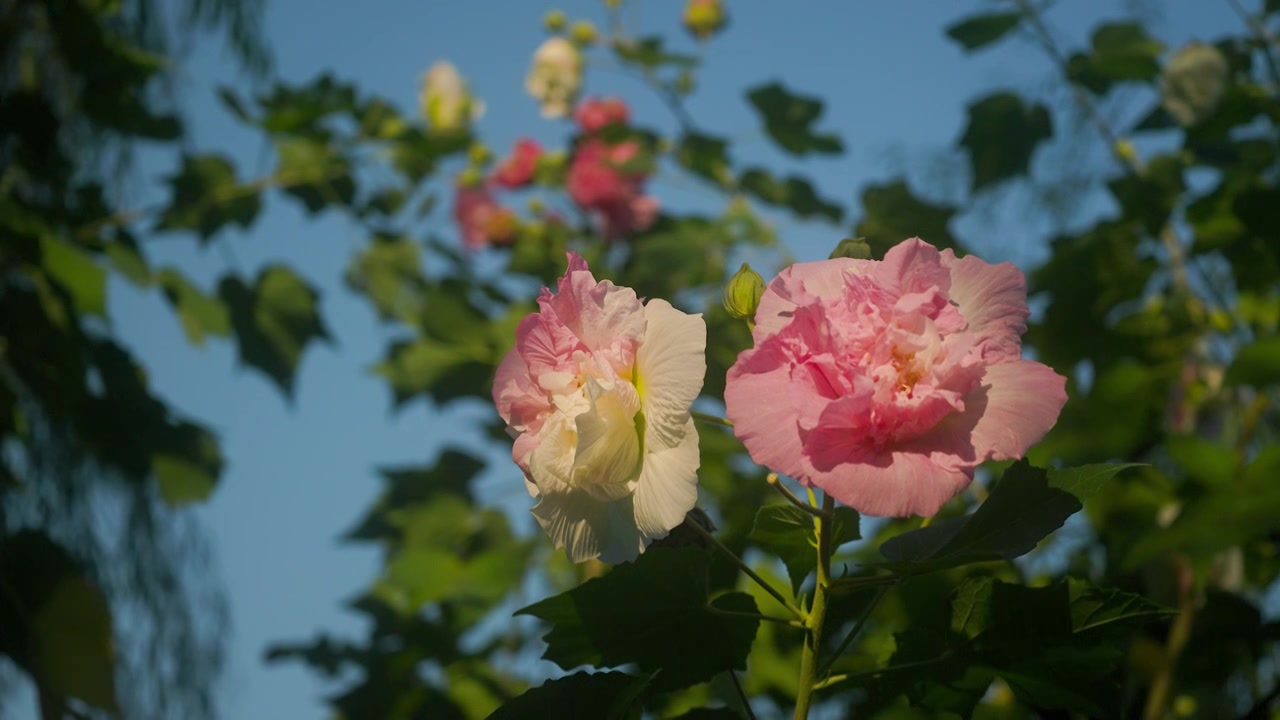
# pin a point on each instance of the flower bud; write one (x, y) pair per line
(742, 293)
(853, 248)
(554, 21)
(1193, 83)
(583, 33)
(446, 104)
(556, 76)
(704, 18)
(479, 153)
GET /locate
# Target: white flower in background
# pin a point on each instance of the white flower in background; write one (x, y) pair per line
(446, 103)
(556, 76)
(1193, 83)
(597, 393)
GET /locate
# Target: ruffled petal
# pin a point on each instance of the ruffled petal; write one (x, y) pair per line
(802, 283)
(668, 487)
(607, 457)
(993, 299)
(670, 366)
(766, 406)
(899, 484)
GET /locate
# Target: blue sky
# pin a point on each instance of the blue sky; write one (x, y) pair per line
(298, 476)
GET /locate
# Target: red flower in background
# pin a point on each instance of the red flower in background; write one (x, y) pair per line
(596, 113)
(599, 182)
(517, 170)
(482, 220)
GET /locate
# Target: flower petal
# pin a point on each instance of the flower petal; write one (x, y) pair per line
(802, 283)
(993, 299)
(670, 366)
(607, 457)
(1023, 401)
(668, 487)
(766, 416)
(899, 484)
(587, 527)
(912, 266)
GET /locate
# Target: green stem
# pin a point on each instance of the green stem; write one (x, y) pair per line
(756, 616)
(836, 679)
(714, 419)
(764, 584)
(817, 610)
(776, 484)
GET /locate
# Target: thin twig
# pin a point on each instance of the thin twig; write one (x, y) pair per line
(776, 484)
(742, 695)
(713, 419)
(764, 584)
(853, 632)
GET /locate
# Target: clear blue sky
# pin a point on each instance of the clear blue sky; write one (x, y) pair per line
(298, 476)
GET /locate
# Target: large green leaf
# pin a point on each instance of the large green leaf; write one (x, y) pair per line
(1021, 511)
(1120, 52)
(787, 532)
(978, 31)
(1257, 364)
(789, 118)
(606, 695)
(654, 612)
(891, 213)
(75, 272)
(435, 368)
(187, 462)
(794, 193)
(273, 321)
(201, 314)
(706, 156)
(315, 173)
(389, 272)
(72, 648)
(1002, 135)
(205, 197)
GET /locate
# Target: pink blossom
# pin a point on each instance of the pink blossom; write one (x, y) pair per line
(599, 182)
(597, 393)
(481, 219)
(885, 383)
(594, 113)
(517, 170)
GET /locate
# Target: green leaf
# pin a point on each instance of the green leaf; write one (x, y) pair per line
(606, 695)
(187, 464)
(314, 173)
(1256, 364)
(435, 368)
(1002, 135)
(451, 474)
(1152, 197)
(273, 321)
(789, 118)
(71, 643)
(1121, 52)
(649, 54)
(1098, 611)
(76, 273)
(201, 314)
(1085, 480)
(705, 156)
(978, 31)
(207, 197)
(786, 531)
(794, 193)
(653, 612)
(127, 259)
(891, 214)
(1021, 511)
(1204, 461)
(389, 272)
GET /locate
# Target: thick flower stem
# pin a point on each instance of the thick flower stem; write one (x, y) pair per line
(817, 610)
(713, 419)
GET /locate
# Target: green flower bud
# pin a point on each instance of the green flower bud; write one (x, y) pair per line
(704, 18)
(855, 248)
(479, 153)
(742, 294)
(583, 33)
(554, 21)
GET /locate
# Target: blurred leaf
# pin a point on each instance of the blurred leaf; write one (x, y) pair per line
(652, 612)
(1257, 364)
(789, 119)
(296, 110)
(649, 54)
(1204, 461)
(1121, 52)
(1085, 480)
(891, 214)
(315, 174)
(438, 369)
(127, 259)
(794, 193)
(786, 531)
(1002, 135)
(187, 464)
(71, 644)
(201, 314)
(451, 474)
(605, 695)
(389, 272)
(273, 321)
(978, 31)
(722, 713)
(205, 197)
(705, 156)
(1151, 197)
(77, 273)
(1021, 511)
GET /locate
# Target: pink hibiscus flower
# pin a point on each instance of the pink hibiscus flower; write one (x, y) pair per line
(597, 393)
(481, 219)
(885, 383)
(598, 182)
(517, 170)
(594, 114)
